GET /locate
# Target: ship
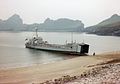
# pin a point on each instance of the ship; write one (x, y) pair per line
(38, 43)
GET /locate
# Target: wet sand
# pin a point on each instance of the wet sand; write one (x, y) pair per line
(43, 72)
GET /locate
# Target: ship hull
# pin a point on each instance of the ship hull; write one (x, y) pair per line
(64, 51)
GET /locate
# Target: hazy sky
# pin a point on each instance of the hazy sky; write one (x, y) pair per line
(36, 11)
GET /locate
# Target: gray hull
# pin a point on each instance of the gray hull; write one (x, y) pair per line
(59, 50)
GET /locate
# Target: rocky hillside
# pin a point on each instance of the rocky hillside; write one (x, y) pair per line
(110, 26)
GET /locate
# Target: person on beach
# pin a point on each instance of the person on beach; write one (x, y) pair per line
(94, 54)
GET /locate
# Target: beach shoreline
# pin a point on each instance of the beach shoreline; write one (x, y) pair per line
(43, 72)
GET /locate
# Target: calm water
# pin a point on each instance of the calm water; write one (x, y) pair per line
(13, 52)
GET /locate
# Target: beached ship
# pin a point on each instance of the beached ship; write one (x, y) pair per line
(70, 48)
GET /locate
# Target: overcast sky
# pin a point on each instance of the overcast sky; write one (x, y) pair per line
(90, 12)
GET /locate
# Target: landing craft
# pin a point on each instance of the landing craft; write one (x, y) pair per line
(69, 48)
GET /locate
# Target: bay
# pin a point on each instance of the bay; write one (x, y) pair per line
(14, 54)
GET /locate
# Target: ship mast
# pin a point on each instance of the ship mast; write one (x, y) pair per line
(36, 31)
(72, 37)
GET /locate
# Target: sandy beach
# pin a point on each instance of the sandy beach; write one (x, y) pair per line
(43, 72)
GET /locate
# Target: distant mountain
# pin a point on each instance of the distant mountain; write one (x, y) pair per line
(0, 20)
(62, 24)
(15, 23)
(110, 26)
(113, 19)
